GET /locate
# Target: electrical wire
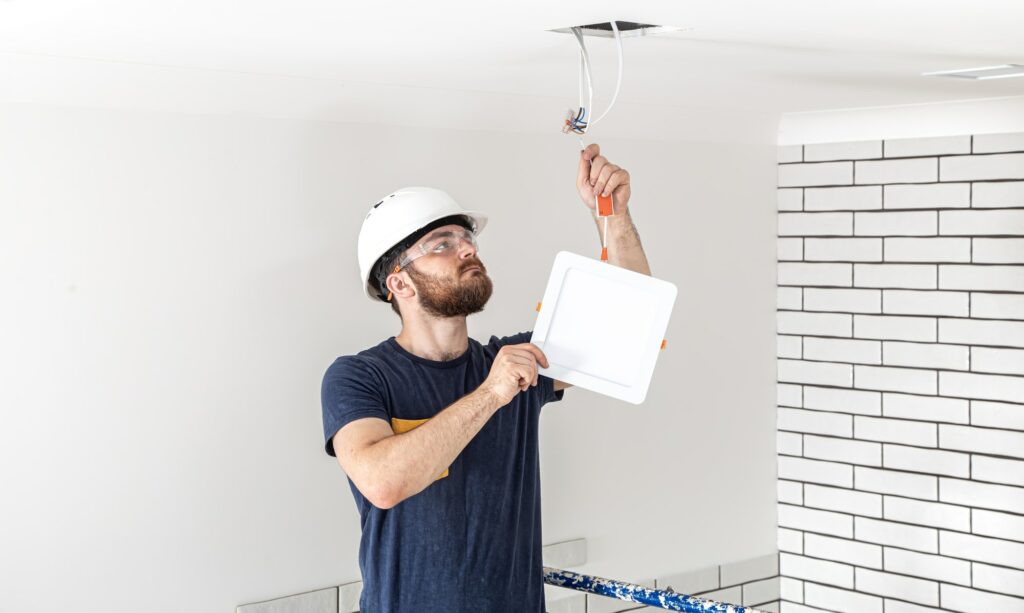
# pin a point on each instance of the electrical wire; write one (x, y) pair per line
(618, 81)
(581, 122)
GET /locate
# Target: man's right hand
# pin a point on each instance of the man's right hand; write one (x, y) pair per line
(514, 370)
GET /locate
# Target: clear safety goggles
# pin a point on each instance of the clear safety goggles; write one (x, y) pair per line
(442, 243)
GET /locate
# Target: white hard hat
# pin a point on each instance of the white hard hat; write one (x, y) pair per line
(399, 215)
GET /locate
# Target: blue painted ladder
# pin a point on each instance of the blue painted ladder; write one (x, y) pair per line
(630, 592)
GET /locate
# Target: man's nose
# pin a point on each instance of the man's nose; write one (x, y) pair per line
(466, 250)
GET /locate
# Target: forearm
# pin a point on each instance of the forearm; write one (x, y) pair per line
(624, 247)
(405, 464)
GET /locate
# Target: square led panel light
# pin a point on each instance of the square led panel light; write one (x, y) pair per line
(601, 326)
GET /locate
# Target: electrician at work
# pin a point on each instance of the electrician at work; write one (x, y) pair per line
(437, 432)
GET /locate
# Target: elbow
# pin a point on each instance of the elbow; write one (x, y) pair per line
(383, 495)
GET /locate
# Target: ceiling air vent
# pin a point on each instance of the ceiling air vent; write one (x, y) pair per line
(626, 28)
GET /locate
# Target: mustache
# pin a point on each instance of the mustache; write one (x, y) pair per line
(471, 264)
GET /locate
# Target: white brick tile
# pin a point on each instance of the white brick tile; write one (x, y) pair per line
(791, 589)
(843, 350)
(965, 276)
(894, 328)
(790, 249)
(982, 495)
(927, 566)
(998, 143)
(934, 196)
(925, 355)
(1001, 194)
(998, 579)
(865, 453)
(957, 598)
(918, 170)
(896, 535)
(978, 223)
(934, 145)
(791, 153)
(885, 481)
(979, 167)
(927, 250)
(844, 198)
(898, 606)
(913, 223)
(815, 224)
(998, 470)
(815, 324)
(982, 549)
(556, 600)
(843, 500)
(690, 582)
(999, 250)
(790, 492)
(842, 601)
(914, 302)
(789, 298)
(910, 276)
(790, 607)
(984, 387)
(790, 199)
(788, 395)
(827, 173)
(788, 347)
(814, 520)
(730, 594)
(790, 540)
(982, 440)
(815, 471)
(924, 513)
(799, 273)
(843, 400)
(843, 249)
(820, 571)
(815, 373)
(997, 306)
(887, 379)
(997, 414)
(999, 525)
(890, 430)
(857, 150)
(841, 550)
(845, 300)
(980, 332)
(933, 408)
(764, 590)
(931, 461)
(750, 569)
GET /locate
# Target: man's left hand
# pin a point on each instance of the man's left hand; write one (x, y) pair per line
(599, 176)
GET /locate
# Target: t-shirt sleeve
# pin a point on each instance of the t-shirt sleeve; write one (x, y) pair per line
(350, 391)
(545, 385)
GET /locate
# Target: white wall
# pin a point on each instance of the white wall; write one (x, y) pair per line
(175, 285)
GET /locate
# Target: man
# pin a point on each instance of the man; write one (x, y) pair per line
(437, 432)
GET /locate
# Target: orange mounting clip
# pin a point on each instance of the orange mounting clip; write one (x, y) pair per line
(664, 342)
(538, 307)
(604, 206)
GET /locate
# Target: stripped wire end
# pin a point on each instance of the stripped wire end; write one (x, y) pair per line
(575, 122)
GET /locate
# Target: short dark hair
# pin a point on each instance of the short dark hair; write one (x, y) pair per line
(386, 264)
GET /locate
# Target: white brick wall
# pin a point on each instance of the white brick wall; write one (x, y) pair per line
(901, 419)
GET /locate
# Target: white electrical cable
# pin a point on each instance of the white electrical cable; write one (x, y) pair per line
(618, 81)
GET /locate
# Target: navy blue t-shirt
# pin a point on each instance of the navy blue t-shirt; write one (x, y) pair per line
(471, 541)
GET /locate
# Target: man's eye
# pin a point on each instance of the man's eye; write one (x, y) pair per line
(442, 246)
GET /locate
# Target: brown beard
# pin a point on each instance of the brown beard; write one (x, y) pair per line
(453, 297)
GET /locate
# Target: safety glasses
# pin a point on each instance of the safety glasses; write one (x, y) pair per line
(440, 243)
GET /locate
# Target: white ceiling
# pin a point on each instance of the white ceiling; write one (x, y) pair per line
(494, 65)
